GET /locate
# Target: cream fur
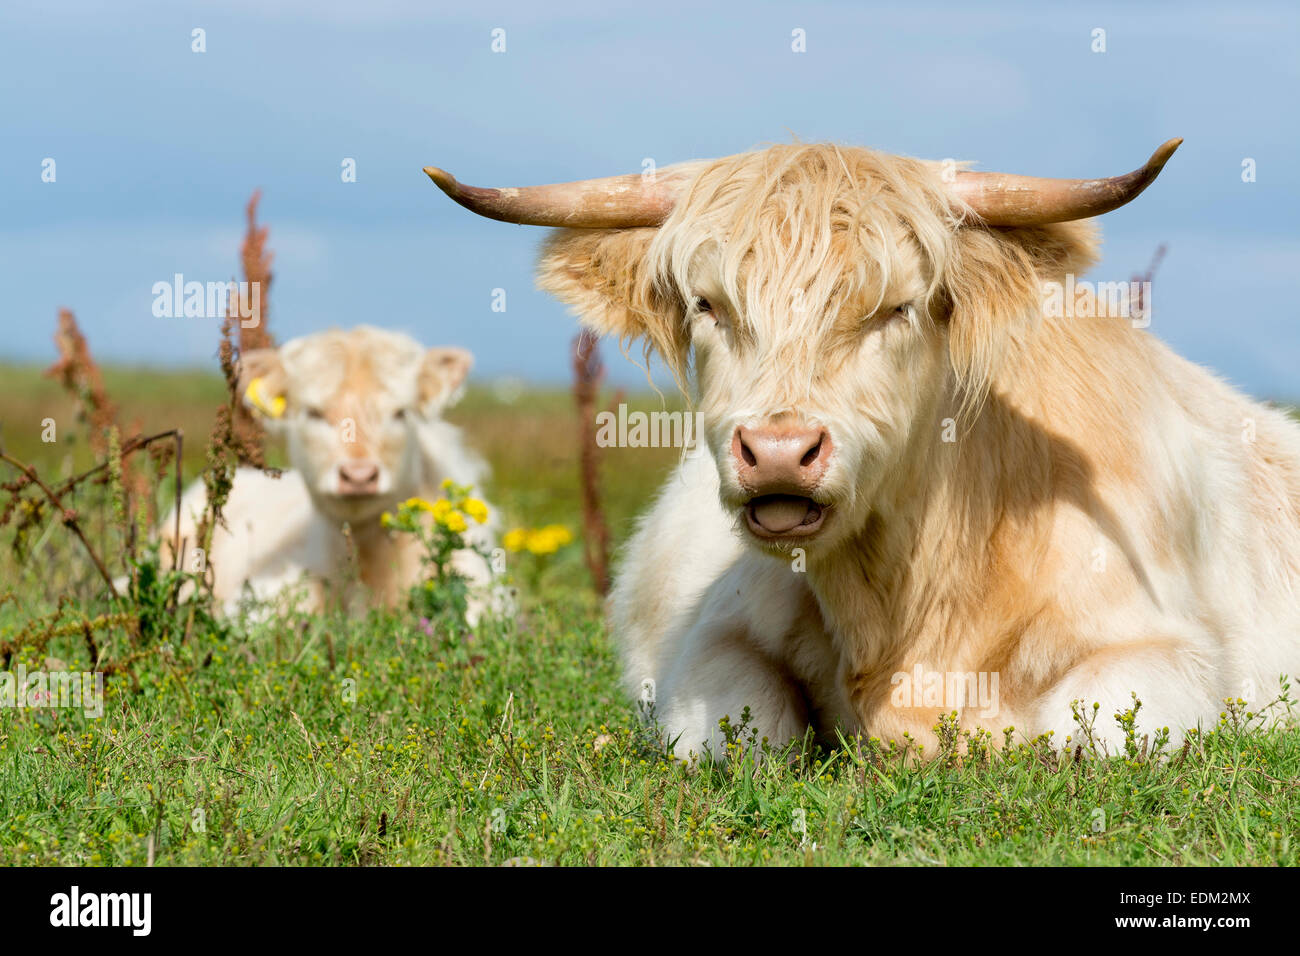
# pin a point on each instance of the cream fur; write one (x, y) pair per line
(285, 536)
(1109, 518)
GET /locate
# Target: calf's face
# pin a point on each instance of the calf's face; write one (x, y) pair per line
(350, 405)
(833, 307)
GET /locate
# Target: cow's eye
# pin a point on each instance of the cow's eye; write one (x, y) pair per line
(400, 414)
(700, 306)
(315, 414)
(703, 308)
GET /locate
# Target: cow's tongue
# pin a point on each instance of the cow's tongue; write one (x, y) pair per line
(781, 513)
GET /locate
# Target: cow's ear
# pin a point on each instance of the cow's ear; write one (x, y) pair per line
(442, 377)
(263, 384)
(606, 277)
(994, 287)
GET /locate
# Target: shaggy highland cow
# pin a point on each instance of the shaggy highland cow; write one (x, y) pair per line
(921, 484)
(361, 412)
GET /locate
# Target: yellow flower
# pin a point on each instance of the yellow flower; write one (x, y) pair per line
(539, 541)
(447, 484)
(386, 520)
(420, 503)
(273, 407)
(440, 509)
(454, 521)
(549, 539)
(559, 533)
(475, 509)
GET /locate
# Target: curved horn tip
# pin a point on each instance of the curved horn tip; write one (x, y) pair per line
(442, 179)
(1165, 150)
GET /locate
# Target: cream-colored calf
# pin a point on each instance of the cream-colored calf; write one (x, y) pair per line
(361, 414)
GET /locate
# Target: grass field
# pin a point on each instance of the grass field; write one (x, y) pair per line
(327, 740)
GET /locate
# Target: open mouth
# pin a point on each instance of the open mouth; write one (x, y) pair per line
(784, 516)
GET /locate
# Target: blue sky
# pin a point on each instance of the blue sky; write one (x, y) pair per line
(158, 148)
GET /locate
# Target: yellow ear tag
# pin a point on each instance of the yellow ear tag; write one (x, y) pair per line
(274, 408)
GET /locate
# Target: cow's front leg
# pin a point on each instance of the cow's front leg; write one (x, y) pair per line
(1174, 683)
(717, 674)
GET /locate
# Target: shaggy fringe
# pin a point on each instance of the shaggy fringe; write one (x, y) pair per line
(801, 232)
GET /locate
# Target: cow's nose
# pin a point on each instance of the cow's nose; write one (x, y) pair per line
(781, 459)
(358, 478)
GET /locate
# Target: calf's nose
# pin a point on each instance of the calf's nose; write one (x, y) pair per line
(780, 459)
(358, 478)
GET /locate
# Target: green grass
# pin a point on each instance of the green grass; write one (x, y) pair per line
(518, 745)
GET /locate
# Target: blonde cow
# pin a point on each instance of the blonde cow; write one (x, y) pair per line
(360, 412)
(933, 483)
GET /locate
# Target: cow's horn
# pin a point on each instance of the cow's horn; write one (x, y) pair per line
(1005, 200)
(1000, 199)
(614, 202)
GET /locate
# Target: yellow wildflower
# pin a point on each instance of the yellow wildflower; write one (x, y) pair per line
(539, 541)
(475, 509)
(440, 509)
(454, 521)
(560, 533)
(549, 539)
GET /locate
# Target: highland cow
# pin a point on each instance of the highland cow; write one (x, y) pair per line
(913, 472)
(361, 413)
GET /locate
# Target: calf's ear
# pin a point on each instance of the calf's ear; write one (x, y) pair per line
(442, 377)
(605, 276)
(263, 384)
